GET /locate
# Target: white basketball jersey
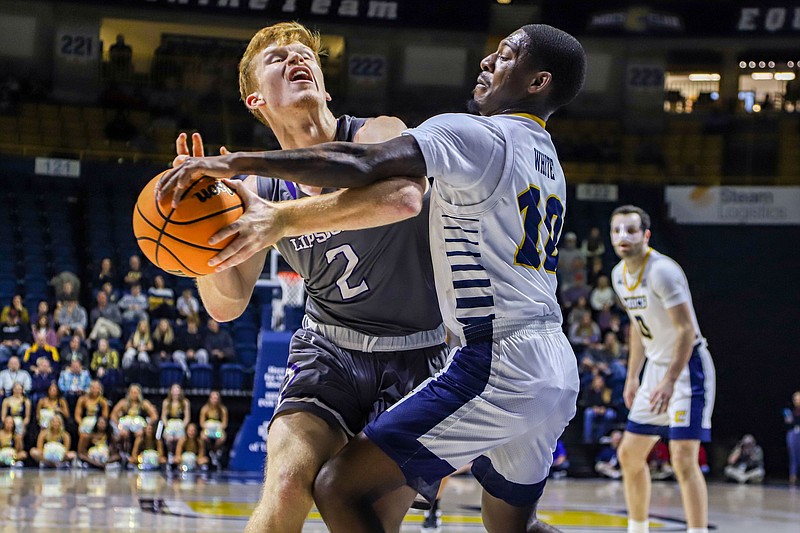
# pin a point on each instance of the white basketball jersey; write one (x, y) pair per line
(647, 294)
(497, 210)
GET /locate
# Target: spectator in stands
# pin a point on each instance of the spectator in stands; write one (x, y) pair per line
(53, 446)
(176, 413)
(188, 306)
(43, 325)
(598, 415)
(105, 319)
(111, 292)
(43, 376)
(16, 306)
(575, 285)
(702, 460)
(72, 319)
(746, 462)
(584, 335)
(577, 312)
(120, 57)
(134, 305)
(40, 349)
(161, 299)
(91, 406)
(9, 95)
(219, 345)
(98, 447)
(50, 405)
(74, 350)
(18, 406)
(43, 309)
(120, 128)
(213, 425)
(148, 451)
(596, 269)
(190, 346)
(616, 327)
(10, 439)
(791, 418)
(74, 382)
(15, 337)
(659, 462)
(13, 374)
(105, 365)
(164, 343)
(593, 246)
(191, 451)
(603, 297)
(139, 346)
(67, 286)
(607, 463)
(106, 274)
(568, 252)
(134, 274)
(560, 464)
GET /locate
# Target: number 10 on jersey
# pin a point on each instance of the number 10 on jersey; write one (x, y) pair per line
(529, 253)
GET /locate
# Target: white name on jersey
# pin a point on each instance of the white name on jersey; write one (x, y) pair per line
(306, 242)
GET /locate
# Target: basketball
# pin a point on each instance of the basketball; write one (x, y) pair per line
(176, 240)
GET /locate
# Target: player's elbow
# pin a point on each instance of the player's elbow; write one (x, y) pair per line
(407, 201)
(225, 313)
(409, 204)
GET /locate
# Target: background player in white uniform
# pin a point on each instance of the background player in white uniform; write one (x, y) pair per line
(676, 396)
(496, 218)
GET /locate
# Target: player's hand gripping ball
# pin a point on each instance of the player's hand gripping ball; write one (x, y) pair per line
(176, 240)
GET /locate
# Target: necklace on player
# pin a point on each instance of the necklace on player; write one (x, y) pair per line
(639, 276)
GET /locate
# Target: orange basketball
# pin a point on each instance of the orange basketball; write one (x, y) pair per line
(176, 240)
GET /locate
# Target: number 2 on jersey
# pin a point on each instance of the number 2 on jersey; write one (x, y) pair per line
(352, 260)
(528, 252)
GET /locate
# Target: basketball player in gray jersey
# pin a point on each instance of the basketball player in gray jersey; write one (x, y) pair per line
(372, 332)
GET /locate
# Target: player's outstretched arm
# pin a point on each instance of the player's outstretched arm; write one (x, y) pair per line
(337, 164)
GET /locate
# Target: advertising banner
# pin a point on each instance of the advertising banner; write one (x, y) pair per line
(756, 206)
(250, 446)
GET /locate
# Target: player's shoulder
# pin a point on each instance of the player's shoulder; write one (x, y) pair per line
(662, 263)
(379, 129)
(616, 273)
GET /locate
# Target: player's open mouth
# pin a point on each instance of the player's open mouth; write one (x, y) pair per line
(482, 82)
(300, 74)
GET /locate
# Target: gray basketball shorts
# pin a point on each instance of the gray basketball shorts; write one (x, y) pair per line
(349, 388)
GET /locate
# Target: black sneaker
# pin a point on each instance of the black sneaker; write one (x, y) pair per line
(432, 522)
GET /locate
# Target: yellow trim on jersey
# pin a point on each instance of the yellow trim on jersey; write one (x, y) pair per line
(641, 272)
(534, 118)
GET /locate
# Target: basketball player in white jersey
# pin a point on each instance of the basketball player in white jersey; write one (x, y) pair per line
(675, 398)
(496, 216)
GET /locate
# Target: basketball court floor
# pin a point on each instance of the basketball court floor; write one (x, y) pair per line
(39, 500)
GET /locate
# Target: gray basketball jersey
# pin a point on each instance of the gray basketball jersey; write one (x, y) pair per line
(377, 281)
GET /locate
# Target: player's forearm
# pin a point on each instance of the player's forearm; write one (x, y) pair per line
(378, 204)
(683, 352)
(336, 164)
(635, 355)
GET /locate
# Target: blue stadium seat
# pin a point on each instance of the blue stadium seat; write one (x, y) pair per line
(247, 354)
(232, 378)
(202, 378)
(169, 374)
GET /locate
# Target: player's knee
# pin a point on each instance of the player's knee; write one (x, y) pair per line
(629, 456)
(684, 463)
(292, 484)
(326, 489)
